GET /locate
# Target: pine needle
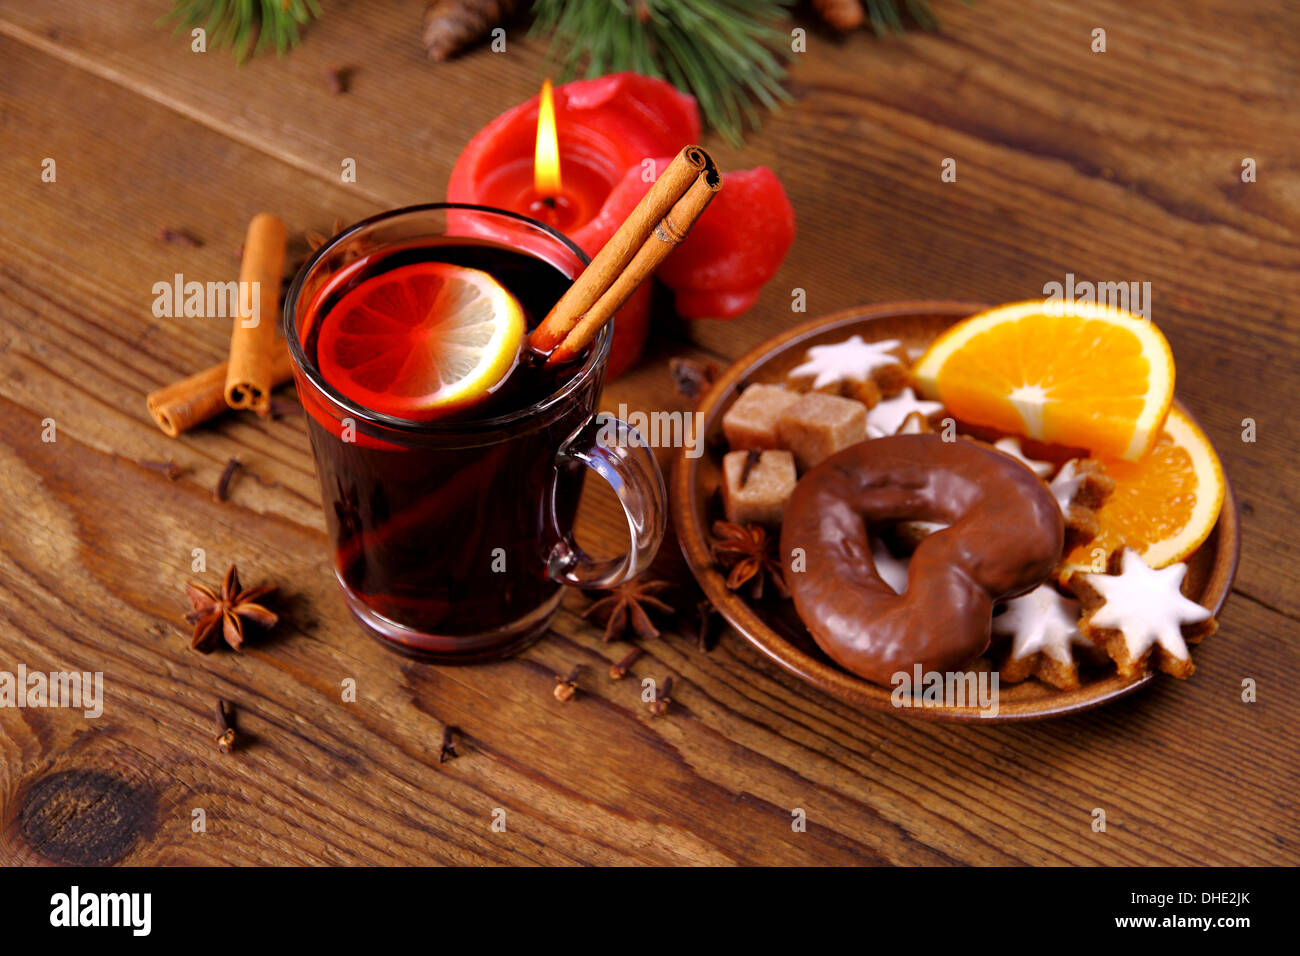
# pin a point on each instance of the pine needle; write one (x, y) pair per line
(245, 26)
(730, 55)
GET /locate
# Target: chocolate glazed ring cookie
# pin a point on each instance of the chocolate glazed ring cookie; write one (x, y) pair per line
(1004, 537)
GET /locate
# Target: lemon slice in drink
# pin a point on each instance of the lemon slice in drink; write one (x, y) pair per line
(421, 340)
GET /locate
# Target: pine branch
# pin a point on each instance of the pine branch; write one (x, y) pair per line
(237, 23)
(885, 16)
(729, 54)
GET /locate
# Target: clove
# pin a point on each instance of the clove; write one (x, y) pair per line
(178, 237)
(691, 378)
(448, 749)
(619, 671)
(704, 631)
(168, 468)
(284, 407)
(337, 79)
(567, 687)
(222, 491)
(659, 706)
(225, 727)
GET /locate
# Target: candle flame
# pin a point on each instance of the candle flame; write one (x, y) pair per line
(546, 158)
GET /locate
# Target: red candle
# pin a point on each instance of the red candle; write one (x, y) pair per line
(597, 131)
(565, 194)
(581, 165)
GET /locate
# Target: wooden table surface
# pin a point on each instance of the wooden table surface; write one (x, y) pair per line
(1123, 165)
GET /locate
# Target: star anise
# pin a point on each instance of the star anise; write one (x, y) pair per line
(317, 239)
(691, 378)
(298, 255)
(749, 557)
(625, 608)
(216, 616)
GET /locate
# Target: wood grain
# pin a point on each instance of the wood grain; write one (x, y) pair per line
(1115, 166)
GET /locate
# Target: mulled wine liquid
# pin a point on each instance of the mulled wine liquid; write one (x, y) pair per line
(450, 537)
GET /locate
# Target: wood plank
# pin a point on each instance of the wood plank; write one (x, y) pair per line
(89, 576)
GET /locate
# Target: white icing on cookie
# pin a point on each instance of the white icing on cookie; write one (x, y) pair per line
(912, 425)
(1042, 621)
(892, 570)
(1011, 446)
(889, 413)
(852, 360)
(1146, 605)
(1066, 484)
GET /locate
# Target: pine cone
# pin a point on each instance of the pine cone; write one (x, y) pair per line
(452, 25)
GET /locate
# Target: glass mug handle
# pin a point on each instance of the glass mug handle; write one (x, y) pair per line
(613, 449)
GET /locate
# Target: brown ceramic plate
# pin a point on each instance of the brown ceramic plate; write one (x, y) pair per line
(773, 627)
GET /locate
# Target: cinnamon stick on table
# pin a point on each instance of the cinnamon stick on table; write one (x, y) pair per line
(180, 406)
(656, 225)
(252, 343)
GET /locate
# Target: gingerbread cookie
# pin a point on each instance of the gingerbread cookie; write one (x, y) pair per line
(1011, 446)
(1080, 488)
(1003, 539)
(868, 392)
(850, 361)
(887, 416)
(1044, 630)
(915, 424)
(1135, 612)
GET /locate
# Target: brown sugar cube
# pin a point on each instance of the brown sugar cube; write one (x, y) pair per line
(816, 426)
(751, 420)
(760, 495)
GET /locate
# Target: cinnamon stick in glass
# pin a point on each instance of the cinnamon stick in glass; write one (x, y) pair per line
(658, 223)
(252, 343)
(180, 406)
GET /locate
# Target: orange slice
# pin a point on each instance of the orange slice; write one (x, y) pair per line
(421, 340)
(1080, 374)
(1164, 505)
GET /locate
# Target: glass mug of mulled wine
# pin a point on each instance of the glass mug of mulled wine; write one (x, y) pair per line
(451, 510)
